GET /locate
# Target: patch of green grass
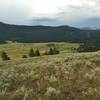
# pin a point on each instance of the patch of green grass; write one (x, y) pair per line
(17, 50)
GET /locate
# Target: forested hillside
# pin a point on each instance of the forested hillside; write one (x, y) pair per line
(46, 34)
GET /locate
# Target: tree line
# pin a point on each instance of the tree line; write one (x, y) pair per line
(89, 47)
(32, 53)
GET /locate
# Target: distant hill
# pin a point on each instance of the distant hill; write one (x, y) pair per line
(47, 34)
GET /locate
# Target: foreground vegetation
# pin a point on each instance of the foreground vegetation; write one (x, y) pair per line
(67, 76)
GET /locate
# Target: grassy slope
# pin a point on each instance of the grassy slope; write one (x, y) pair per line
(17, 50)
(67, 76)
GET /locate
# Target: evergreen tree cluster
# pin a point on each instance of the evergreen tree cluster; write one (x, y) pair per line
(89, 47)
(53, 51)
(32, 53)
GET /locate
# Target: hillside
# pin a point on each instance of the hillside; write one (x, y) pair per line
(46, 34)
(66, 76)
(17, 50)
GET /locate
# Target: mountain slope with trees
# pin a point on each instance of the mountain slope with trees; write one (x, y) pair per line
(20, 33)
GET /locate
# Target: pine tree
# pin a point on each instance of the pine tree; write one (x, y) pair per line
(31, 53)
(37, 53)
(4, 56)
(50, 51)
(55, 51)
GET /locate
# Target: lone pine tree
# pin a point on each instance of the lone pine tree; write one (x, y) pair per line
(4, 56)
(31, 53)
(50, 51)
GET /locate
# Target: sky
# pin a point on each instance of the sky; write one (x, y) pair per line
(79, 13)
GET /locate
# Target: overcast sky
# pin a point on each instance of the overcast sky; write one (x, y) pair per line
(51, 12)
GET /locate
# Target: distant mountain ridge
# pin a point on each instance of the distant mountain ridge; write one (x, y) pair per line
(90, 28)
(22, 33)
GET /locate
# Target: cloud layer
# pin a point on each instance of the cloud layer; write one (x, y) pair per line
(49, 12)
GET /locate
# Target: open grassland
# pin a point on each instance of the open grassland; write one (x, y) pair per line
(17, 50)
(66, 76)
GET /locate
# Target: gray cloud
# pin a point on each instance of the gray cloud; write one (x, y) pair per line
(24, 12)
(44, 21)
(13, 12)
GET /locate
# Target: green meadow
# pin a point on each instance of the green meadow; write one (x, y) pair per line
(17, 50)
